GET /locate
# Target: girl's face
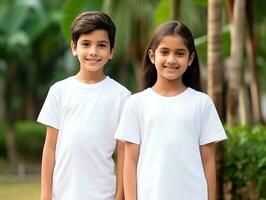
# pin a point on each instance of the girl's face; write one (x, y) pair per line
(93, 51)
(171, 58)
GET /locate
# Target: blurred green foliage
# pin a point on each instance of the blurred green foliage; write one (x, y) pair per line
(30, 137)
(72, 8)
(162, 13)
(245, 159)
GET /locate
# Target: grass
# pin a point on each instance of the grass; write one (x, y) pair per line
(29, 190)
(16, 186)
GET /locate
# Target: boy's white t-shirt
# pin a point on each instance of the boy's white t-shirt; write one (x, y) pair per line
(86, 116)
(170, 131)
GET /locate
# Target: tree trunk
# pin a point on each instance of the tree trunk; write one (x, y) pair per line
(122, 73)
(244, 104)
(251, 52)
(10, 139)
(139, 74)
(31, 93)
(230, 7)
(175, 9)
(244, 99)
(10, 136)
(215, 62)
(2, 86)
(236, 69)
(136, 51)
(215, 77)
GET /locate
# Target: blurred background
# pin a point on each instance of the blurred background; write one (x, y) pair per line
(230, 40)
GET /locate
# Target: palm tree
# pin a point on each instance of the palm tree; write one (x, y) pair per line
(13, 43)
(236, 68)
(215, 61)
(175, 9)
(215, 76)
(21, 41)
(251, 52)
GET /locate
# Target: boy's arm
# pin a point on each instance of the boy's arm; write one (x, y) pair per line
(130, 170)
(208, 159)
(48, 160)
(120, 151)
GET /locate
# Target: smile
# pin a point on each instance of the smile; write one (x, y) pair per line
(171, 68)
(93, 60)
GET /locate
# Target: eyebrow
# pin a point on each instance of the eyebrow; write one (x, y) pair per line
(101, 41)
(162, 48)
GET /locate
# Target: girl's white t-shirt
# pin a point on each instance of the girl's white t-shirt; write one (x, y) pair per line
(170, 131)
(86, 116)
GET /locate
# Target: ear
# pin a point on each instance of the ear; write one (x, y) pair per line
(73, 48)
(191, 58)
(112, 53)
(151, 56)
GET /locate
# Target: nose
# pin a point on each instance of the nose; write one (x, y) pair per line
(171, 60)
(93, 51)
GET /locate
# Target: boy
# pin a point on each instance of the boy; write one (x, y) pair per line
(81, 114)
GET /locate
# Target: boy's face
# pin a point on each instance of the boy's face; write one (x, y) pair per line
(93, 51)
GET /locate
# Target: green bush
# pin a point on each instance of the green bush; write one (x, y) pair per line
(30, 137)
(245, 161)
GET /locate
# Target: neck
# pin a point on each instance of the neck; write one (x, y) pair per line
(169, 87)
(90, 77)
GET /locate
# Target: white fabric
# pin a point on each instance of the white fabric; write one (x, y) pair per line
(170, 131)
(86, 116)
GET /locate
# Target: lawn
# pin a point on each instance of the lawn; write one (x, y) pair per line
(29, 190)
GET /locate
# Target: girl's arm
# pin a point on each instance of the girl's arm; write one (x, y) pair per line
(48, 160)
(130, 170)
(208, 160)
(120, 151)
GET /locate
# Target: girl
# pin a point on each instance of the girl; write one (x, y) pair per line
(170, 129)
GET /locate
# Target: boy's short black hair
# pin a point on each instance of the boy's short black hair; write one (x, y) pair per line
(90, 21)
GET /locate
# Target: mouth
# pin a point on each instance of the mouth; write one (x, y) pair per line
(93, 60)
(171, 68)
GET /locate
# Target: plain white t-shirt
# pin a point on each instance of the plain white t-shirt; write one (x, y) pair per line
(170, 131)
(86, 116)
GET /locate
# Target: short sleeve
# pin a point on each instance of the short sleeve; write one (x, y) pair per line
(211, 126)
(49, 114)
(129, 126)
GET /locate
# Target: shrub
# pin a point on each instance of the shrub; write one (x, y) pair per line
(245, 162)
(30, 137)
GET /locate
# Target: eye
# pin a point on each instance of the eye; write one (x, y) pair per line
(85, 44)
(180, 53)
(102, 45)
(164, 52)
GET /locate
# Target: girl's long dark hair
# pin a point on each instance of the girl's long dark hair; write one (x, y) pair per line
(191, 77)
